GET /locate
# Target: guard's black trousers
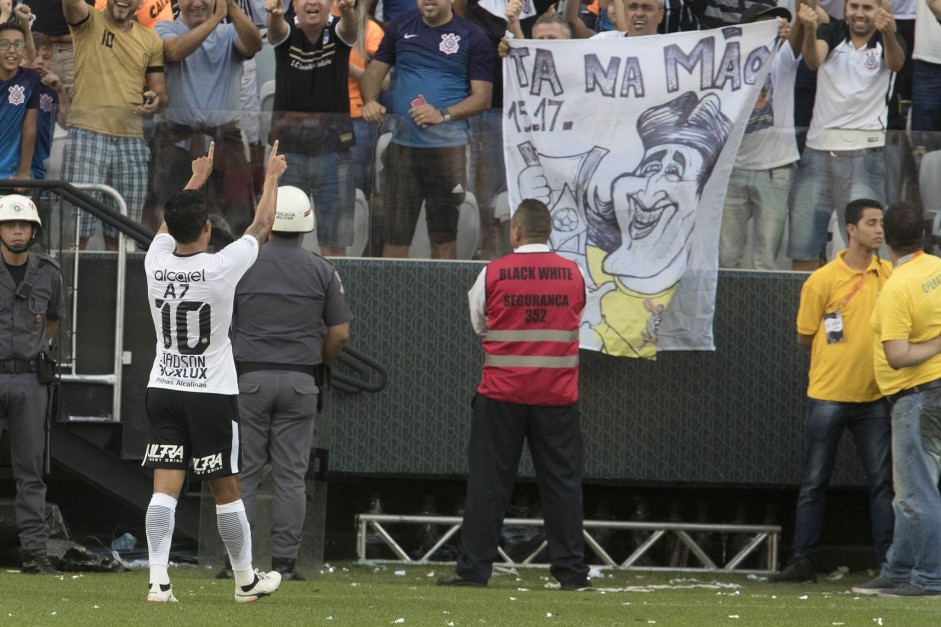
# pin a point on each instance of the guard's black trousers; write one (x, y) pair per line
(496, 443)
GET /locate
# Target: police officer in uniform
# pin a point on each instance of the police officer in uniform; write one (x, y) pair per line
(31, 305)
(527, 307)
(276, 358)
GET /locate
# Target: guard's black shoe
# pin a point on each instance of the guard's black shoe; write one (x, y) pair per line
(455, 580)
(799, 570)
(286, 566)
(37, 563)
(576, 586)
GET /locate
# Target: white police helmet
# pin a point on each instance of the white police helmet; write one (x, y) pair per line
(294, 212)
(15, 207)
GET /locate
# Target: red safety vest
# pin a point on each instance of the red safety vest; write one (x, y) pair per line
(534, 305)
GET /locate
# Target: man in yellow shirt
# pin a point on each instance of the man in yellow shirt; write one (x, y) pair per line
(833, 323)
(119, 80)
(907, 328)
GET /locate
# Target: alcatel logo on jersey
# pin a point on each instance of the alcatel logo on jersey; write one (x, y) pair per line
(164, 452)
(181, 277)
(449, 43)
(203, 465)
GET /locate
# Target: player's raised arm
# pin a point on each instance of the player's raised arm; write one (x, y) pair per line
(260, 227)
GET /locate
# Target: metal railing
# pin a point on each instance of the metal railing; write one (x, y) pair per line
(755, 537)
(77, 195)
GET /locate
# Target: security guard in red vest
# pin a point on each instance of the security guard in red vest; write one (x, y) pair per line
(31, 304)
(527, 306)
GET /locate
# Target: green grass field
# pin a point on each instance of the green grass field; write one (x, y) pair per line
(375, 595)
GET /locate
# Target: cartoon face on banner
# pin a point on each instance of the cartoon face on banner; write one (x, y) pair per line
(654, 207)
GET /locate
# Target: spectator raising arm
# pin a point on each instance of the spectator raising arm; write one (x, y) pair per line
(579, 30)
(885, 23)
(75, 11)
(277, 26)
(178, 48)
(813, 49)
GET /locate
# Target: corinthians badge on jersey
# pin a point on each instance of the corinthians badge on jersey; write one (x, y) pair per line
(449, 43)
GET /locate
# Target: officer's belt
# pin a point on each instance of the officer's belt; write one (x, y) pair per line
(243, 367)
(17, 366)
(917, 389)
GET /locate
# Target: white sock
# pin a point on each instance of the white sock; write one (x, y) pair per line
(237, 537)
(159, 525)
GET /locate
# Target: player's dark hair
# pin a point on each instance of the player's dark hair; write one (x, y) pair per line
(855, 209)
(533, 219)
(904, 227)
(185, 214)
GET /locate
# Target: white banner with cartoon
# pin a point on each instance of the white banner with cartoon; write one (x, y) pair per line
(631, 142)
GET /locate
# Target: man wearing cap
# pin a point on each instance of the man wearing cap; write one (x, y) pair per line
(907, 360)
(31, 305)
(764, 165)
(833, 324)
(856, 60)
(277, 360)
(638, 242)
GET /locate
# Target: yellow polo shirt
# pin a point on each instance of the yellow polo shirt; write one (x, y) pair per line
(909, 308)
(842, 372)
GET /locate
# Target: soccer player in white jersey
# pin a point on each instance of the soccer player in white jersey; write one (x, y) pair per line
(192, 395)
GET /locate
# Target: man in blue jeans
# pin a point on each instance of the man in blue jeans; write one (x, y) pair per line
(856, 59)
(311, 117)
(833, 323)
(907, 361)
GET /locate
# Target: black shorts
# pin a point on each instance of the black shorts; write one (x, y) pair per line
(193, 430)
(437, 176)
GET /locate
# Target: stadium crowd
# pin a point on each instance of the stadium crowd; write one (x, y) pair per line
(827, 128)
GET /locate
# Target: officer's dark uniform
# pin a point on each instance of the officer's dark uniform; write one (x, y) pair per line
(281, 306)
(30, 295)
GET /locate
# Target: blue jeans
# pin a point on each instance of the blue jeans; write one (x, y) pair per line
(926, 96)
(328, 179)
(824, 424)
(825, 182)
(915, 555)
(363, 155)
(759, 196)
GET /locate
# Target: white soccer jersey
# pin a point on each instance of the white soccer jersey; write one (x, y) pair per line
(853, 86)
(191, 300)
